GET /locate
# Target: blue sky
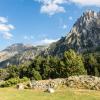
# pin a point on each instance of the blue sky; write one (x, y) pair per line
(39, 21)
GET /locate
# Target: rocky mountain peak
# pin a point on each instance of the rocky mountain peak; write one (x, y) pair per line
(90, 14)
(86, 18)
(84, 35)
(85, 32)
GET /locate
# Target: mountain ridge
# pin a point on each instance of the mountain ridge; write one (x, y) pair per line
(19, 53)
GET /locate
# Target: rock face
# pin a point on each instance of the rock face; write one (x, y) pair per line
(79, 82)
(84, 35)
(13, 50)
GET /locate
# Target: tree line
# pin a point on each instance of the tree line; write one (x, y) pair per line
(47, 67)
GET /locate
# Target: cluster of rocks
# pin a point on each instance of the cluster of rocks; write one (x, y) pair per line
(80, 82)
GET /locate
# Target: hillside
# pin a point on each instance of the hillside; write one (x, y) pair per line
(18, 54)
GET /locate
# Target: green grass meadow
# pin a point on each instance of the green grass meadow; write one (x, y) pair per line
(62, 94)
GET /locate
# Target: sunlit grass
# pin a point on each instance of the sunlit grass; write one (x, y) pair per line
(61, 94)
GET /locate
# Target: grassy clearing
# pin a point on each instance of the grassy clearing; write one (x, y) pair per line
(62, 94)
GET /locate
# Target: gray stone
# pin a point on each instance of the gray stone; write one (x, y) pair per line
(20, 86)
(50, 90)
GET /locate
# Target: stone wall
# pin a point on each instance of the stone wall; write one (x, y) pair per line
(86, 82)
(51, 83)
(80, 82)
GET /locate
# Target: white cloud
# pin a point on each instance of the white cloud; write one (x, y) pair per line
(3, 20)
(28, 37)
(31, 37)
(70, 18)
(11, 27)
(7, 35)
(45, 41)
(86, 2)
(64, 26)
(52, 7)
(5, 28)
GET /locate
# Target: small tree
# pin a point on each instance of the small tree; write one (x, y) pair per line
(91, 65)
(36, 75)
(13, 71)
(72, 64)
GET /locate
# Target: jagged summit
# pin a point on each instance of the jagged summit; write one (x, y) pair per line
(85, 32)
(90, 14)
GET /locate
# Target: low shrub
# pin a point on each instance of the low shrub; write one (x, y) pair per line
(13, 81)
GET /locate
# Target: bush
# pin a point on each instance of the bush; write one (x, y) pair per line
(13, 81)
(24, 79)
(36, 75)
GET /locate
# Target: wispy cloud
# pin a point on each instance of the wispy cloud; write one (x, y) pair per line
(28, 37)
(64, 26)
(45, 41)
(86, 3)
(5, 28)
(3, 20)
(7, 35)
(70, 18)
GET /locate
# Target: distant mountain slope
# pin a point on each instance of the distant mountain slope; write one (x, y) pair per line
(19, 53)
(84, 36)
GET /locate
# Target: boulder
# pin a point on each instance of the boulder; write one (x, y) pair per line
(20, 86)
(29, 85)
(50, 90)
